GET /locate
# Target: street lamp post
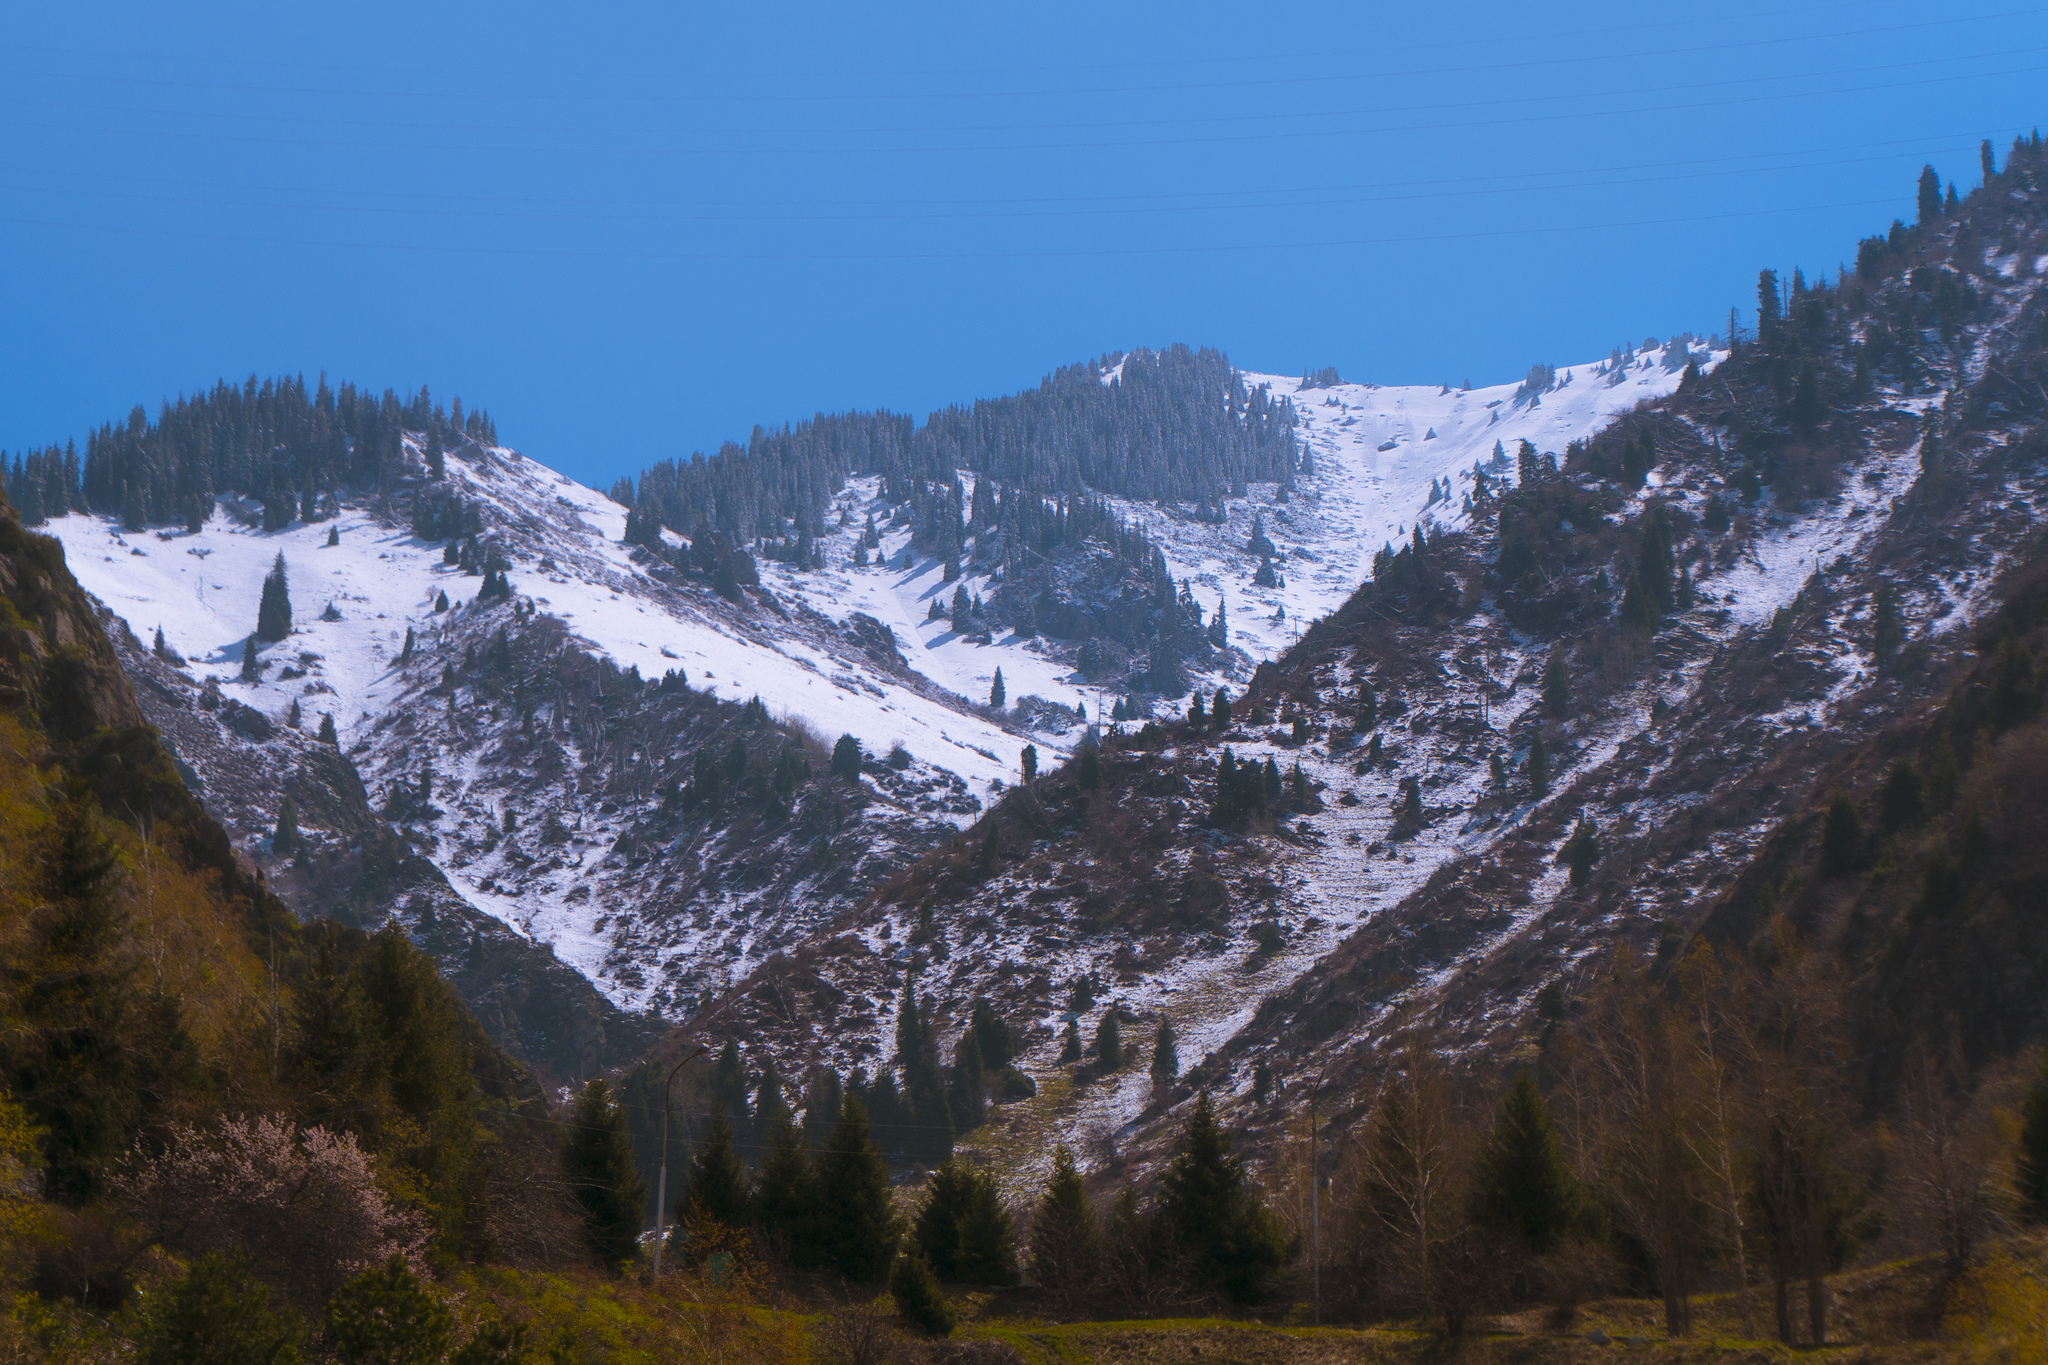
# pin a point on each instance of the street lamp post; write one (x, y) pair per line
(661, 1183)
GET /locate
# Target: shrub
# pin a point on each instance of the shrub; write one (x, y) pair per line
(303, 1206)
(918, 1300)
(220, 1315)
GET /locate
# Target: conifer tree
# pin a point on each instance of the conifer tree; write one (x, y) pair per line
(786, 1194)
(1029, 763)
(385, 1316)
(405, 653)
(1841, 840)
(962, 1229)
(1109, 1045)
(1539, 764)
(1581, 852)
(274, 612)
(1070, 1043)
(1165, 1052)
(1065, 1246)
(293, 716)
(992, 1036)
(1930, 196)
(1198, 714)
(437, 466)
(597, 1159)
(821, 1107)
(217, 1312)
(729, 1084)
(997, 698)
(1211, 1210)
(857, 1231)
(1088, 767)
(919, 1301)
(1219, 714)
(328, 734)
(1522, 1185)
(847, 758)
(252, 666)
(716, 1187)
(286, 837)
(1412, 814)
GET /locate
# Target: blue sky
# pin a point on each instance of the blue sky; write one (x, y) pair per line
(637, 230)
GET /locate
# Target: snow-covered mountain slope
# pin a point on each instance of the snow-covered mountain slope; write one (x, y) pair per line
(1684, 744)
(1385, 457)
(815, 646)
(562, 538)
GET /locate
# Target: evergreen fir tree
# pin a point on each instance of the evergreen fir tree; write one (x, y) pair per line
(786, 1194)
(218, 1313)
(1215, 1216)
(293, 716)
(729, 1085)
(1165, 1052)
(962, 1229)
(437, 466)
(821, 1107)
(1412, 814)
(1930, 196)
(1638, 608)
(919, 1301)
(333, 536)
(385, 1316)
(1028, 763)
(1109, 1046)
(405, 653)
(1581, 852)
(1841, 840)
(1539, 764)
(847, 758)
(274, 613)
(252, 667)
(286, 837)
(1219, 713)
(857, 1231)
(716, 1187)
(997, 698)
(1522, 1185)
(328, 734)
(992, 1036)
(1088, 767)
(1065, 1245)
(1070, 1043)
(1198, 714)
(597, 1160)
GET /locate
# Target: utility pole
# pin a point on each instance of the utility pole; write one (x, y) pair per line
(661, 1184)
